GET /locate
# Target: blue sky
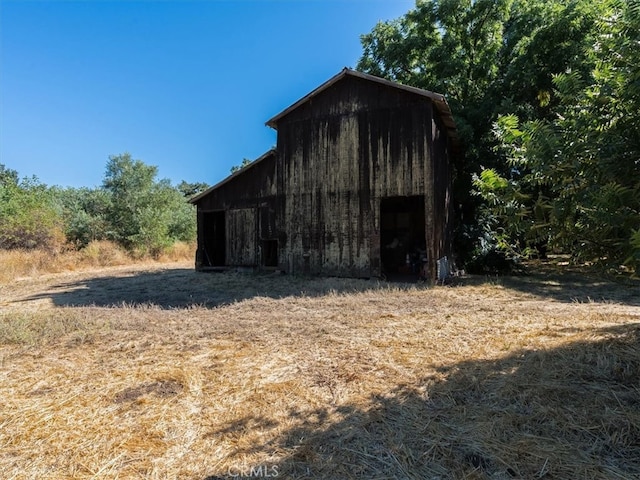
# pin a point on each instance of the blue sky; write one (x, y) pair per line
(184, 85)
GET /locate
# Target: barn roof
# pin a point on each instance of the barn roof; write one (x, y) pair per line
(233, 175)
(439, 100)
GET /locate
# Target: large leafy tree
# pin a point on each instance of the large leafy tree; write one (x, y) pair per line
(490, 58)
(130, 183)
(574, 178)
(145, 215)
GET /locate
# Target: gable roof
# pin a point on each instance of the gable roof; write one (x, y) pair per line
(439, 100)
(265, 155)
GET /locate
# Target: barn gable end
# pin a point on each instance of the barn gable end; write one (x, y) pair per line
(358, 183)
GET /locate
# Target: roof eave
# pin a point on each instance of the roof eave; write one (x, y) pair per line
(201, 195)
(272, 122)
(436, 97)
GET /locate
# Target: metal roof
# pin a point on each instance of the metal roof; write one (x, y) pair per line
(439, 100)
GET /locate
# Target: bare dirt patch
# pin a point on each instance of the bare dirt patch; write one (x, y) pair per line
(164, 388)
(162, 372)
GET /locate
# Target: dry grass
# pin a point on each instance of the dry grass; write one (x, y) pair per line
(23, 263)
(160, 372)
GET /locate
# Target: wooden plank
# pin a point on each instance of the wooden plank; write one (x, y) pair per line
(241, 237)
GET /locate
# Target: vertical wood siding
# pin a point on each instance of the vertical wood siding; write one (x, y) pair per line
(241, 237)
(244, 196)
(338, 154)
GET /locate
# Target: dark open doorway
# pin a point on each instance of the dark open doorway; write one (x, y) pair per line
(270, 253)
(214, 230)
(402, 237)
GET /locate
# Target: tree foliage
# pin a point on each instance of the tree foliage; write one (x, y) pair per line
(84, 211)
(190, 190)
(574, 177)
(132, 208)
(544, 94)
(237, 168)
(28, 217)
(144, 214)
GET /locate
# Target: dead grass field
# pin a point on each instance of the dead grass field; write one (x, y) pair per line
(15, 264)
(159, 372)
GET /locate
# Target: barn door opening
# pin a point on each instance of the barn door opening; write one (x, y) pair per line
(214, 239)
(269, 253)
(268, 240)
(402, 237)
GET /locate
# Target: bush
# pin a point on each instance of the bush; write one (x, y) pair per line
(145, 216)
(141, 215)
(491, 262)
(28, 217)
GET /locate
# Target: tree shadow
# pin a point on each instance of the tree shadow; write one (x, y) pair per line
(184, 288)
(564, 286)
(568, 412)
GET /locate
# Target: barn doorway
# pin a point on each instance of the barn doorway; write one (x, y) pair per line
(269, 253)
(402, 237)
(215, 239)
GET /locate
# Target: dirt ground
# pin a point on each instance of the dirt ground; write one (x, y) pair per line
(156, 371)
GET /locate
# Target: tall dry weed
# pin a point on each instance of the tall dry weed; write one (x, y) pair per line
(29, 263)
(179, 251)
(41, 327)
(102, 253)
(26, 263)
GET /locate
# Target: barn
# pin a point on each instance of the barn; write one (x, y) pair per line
(358, 185)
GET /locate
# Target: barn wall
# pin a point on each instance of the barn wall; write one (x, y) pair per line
(241, 237)
(339, 154)
(316, 202)
(244, 189)
(442, 188)
(250, 200)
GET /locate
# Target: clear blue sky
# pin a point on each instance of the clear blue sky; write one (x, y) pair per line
(184, 85)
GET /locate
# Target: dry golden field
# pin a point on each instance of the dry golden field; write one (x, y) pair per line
(154, 371)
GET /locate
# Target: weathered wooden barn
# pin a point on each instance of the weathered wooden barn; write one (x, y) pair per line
(359, 185)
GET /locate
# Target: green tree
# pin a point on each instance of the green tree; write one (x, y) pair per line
(574, 178)
(28, 217)
(129, 183)
(237, 168)
(490, 58)
(8, 176)
(191, 189)
(145, 215)
(85, 214)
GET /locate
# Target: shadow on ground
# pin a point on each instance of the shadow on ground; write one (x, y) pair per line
(569, 412)
(567, 286)
(181, 288)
